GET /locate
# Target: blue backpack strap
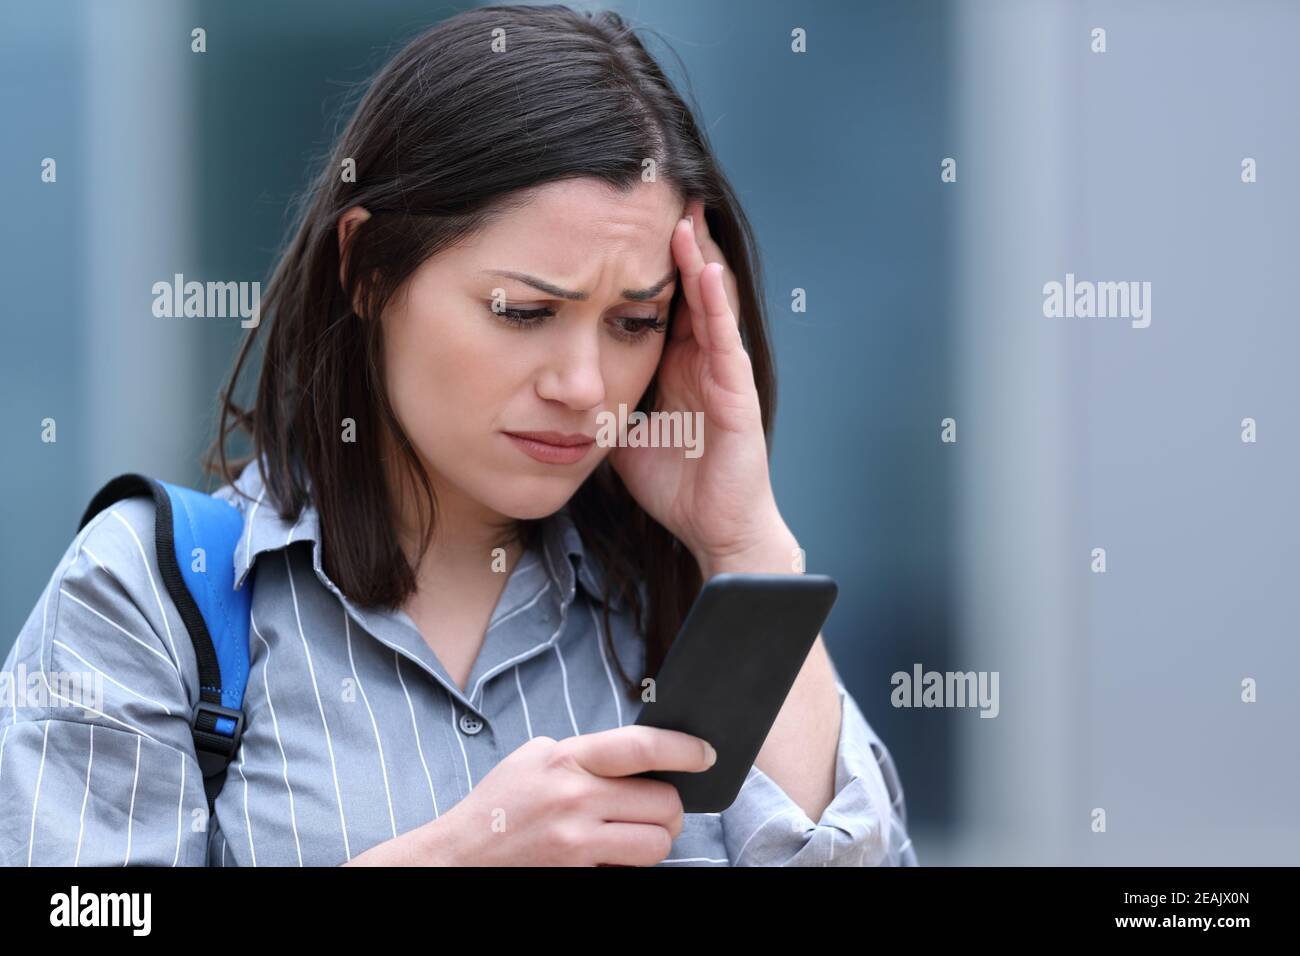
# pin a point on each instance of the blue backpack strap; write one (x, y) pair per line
(215, 614)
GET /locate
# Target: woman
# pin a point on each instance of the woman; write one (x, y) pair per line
(521, 230)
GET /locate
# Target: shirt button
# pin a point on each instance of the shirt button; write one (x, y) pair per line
(470, 724)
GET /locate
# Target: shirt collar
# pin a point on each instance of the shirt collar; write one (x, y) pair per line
(566, 560)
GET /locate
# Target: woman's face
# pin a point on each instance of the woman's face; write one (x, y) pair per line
(475, 349)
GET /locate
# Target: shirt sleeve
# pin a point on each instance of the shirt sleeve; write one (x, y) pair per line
(865, 823)
(97, 761)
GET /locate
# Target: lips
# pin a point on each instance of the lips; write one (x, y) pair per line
(564, 440)
(552, 448)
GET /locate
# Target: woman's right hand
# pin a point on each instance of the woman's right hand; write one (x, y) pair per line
(570, 802)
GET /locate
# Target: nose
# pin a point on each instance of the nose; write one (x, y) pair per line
(572, 373)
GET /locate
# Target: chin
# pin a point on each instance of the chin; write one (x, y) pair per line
(531, 499)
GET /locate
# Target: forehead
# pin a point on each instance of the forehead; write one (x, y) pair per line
(568, 231)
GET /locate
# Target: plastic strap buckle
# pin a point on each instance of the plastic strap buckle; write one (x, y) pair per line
(213, 747)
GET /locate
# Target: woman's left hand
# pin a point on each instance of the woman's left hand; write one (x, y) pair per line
(720, 504)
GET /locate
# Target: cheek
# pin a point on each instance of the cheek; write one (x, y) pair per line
(630, 372)
(445, 375)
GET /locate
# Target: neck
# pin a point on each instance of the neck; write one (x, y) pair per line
(465, 535)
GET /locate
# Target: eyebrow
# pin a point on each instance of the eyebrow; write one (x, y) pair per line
(635, 295)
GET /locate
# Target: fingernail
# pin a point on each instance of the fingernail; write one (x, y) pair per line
(691, 220)
(711, 754)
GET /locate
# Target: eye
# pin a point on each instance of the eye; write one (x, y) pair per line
(632, 328)
(628, 328)
(522, 318)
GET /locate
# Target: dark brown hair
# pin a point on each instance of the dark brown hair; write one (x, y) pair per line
(449, 136)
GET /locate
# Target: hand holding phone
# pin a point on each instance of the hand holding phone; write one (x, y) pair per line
(730, 670)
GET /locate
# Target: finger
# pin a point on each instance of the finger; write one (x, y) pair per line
(690, 264)
(696, 211)
(712, 252)
(638, 800)
(727, 360)
(681, 324)
(624, 751)
(628, 844)
(701, 221)
(720, 320)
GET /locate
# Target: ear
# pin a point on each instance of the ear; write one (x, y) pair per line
(347, 224)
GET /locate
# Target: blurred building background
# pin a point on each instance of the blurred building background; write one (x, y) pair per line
(1119, 691)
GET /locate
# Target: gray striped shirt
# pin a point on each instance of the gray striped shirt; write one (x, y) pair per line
(355, 731)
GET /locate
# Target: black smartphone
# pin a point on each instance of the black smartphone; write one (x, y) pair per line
(729, 671)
